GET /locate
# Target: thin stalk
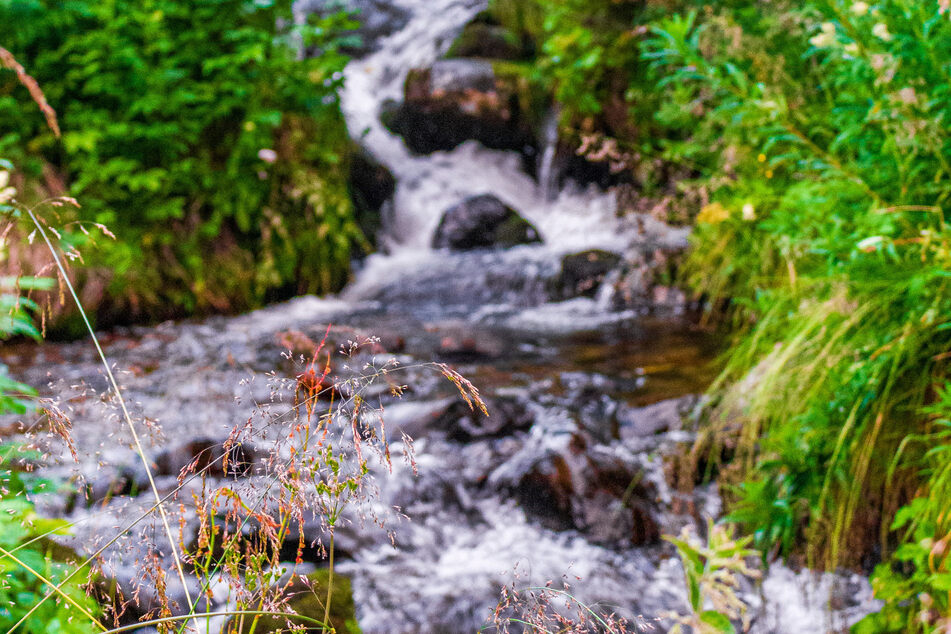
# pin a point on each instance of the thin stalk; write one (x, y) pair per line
(125, 411)
(330, 580)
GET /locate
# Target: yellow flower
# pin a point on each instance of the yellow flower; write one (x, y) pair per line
(769, 173)
(713, 213)
(761, 158)
(826, 36)
(880, 31)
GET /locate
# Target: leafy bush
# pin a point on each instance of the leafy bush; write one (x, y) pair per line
(196, 132)
(27, 552)
(826, 243)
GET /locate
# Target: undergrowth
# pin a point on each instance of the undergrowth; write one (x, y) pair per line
(825, 246)
(197, 133)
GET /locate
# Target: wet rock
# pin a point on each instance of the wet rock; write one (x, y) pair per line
(582, 273)
(594, 489)
(545, 492)
(481, 222)
(377, 19)
(206, 454)
(507, 415)
(487, 41)
(371, 184)
(638, 422)
(456, 100)
(128, 480)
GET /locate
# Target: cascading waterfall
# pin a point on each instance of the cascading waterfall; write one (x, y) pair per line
(547, 174)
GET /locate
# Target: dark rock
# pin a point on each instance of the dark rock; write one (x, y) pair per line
(507, 415)
(546, 490)
(370, 185)
(377, 19)
(206, 454)
(488, 41)
(456, 100)
(587, 488)
(482, 221)
(637, 422)
(582, 273)
(128, 480)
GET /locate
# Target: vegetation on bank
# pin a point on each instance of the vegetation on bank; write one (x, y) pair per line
(809, 141)
(198, 135)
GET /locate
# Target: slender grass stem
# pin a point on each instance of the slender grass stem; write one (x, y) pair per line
(125, 411)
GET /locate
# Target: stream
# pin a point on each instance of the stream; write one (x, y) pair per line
(568, 479)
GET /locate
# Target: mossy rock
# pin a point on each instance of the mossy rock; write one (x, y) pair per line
(309, 602)
(487, 41)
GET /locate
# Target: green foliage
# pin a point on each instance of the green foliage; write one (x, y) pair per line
(25, 534)
(826, 246)
(15, 310)
(196, 133)
(711, 574)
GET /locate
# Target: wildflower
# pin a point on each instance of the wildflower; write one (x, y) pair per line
(860, 8)
(826, 37)
(908, 95)
(769, 173)
(761, 158)
(6, 193)
(870, 244)
(852, 48)
(749, 212)
(267, 155)
(880, 31)
(944, 6)
(714, 213)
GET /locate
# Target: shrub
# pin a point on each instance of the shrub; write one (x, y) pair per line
(826, 246)
(197, 133)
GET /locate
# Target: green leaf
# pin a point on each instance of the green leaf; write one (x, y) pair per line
(719, 622)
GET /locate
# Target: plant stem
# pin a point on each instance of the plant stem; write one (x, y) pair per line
(125, 411)
(330, 584)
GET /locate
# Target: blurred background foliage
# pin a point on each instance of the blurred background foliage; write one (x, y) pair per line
(198, 135)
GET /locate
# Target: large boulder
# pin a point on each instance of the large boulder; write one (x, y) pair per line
(507, 415)
(482, 222)
(586, 487)
(456, 100)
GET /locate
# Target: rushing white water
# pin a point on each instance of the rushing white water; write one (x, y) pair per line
(428, 185)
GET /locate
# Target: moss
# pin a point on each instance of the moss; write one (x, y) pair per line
(309, 602)
(488, 41)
